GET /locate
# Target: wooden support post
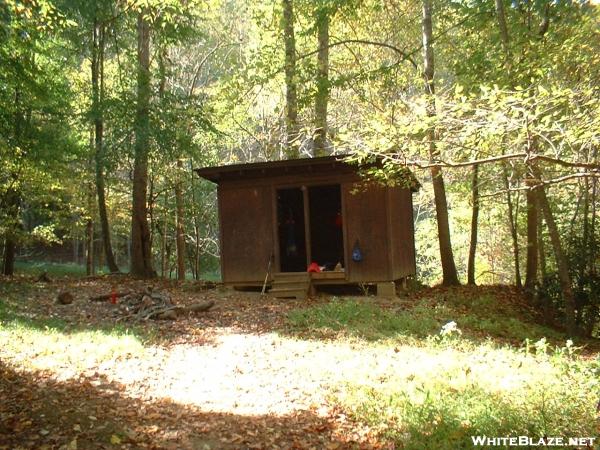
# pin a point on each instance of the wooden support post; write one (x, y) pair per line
(386, 289)
(307, 225)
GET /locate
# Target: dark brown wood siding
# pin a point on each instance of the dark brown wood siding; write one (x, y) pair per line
(402, 240)
(246, 219)
(365, 220)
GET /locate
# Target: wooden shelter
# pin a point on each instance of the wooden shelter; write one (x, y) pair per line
(279, 217)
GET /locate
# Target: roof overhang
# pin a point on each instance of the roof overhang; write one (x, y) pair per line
(323, 165)
(231, 172)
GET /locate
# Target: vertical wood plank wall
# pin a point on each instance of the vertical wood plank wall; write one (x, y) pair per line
(246, 219)
(366, 220)
(402, 233)
(381, 218)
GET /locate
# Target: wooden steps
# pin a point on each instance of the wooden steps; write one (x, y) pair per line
(290, 285)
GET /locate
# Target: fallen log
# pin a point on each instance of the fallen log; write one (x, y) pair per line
(106, 297)
(172, 312)
(148, 304)
(199, 307)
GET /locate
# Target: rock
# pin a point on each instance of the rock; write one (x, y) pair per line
(65, 298)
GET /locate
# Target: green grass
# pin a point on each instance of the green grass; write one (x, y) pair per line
(41, 341)
(51, 268)
(358, 319)
(482, 391)
(490, 373)
(477, 319)
(77, 270)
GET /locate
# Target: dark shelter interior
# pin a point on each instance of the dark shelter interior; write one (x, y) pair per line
(323, 208)
(327, 242)
(292, 236)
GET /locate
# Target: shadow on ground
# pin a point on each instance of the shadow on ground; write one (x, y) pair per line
(38, 412)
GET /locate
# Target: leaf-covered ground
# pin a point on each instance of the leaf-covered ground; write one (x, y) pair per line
(253, 372)
(224, 379)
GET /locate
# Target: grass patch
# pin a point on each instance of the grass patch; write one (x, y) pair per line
(56, 270)
(43, 342)
(444, 399)
(359, 319)
(457, 366)
(51, 268)
(479, 319)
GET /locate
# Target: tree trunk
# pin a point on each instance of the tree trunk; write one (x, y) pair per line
(179, 213)
(13, 195)
(587, 242)
(291, 91)
(8, 263)
(592, 254)
(97, 108)
(582, 268)
(532, 243)
(13, 201)
(162, 56)
(141, 252)
(163, 245)
(504, 36)
(474, 225)
(196, 265)
(540, 242)
(512, 224)
(12, 209)
(322, 95)
(89, 225)
(561, 262)
(439, 190)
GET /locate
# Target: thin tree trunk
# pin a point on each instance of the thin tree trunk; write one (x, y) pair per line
(179, 216)
(513, 227)
(561, 260)
(587, 242)
(196, 265)
(582, 260)
(592, 254)
(8, 263)
(141, 252)
(439, 190)
(10, 244)
(504, 36)
(89, 247)
(541, 247)
(163, 246)
(322, 95)
(532, 242)
(13, 196)
(162, 56)
(75, 244)
(291, 89)
(150, 208)
(97, 108)
(474, 226)
(89, 226)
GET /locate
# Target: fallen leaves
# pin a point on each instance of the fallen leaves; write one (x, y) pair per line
(184, 392)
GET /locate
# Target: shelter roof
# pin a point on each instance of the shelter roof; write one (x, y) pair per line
(303, 166)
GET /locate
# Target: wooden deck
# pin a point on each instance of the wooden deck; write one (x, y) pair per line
(328, 278)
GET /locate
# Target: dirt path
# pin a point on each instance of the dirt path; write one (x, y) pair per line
(223, 379)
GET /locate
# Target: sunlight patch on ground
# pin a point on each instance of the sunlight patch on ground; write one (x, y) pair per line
(251, 374)
(244, 373)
